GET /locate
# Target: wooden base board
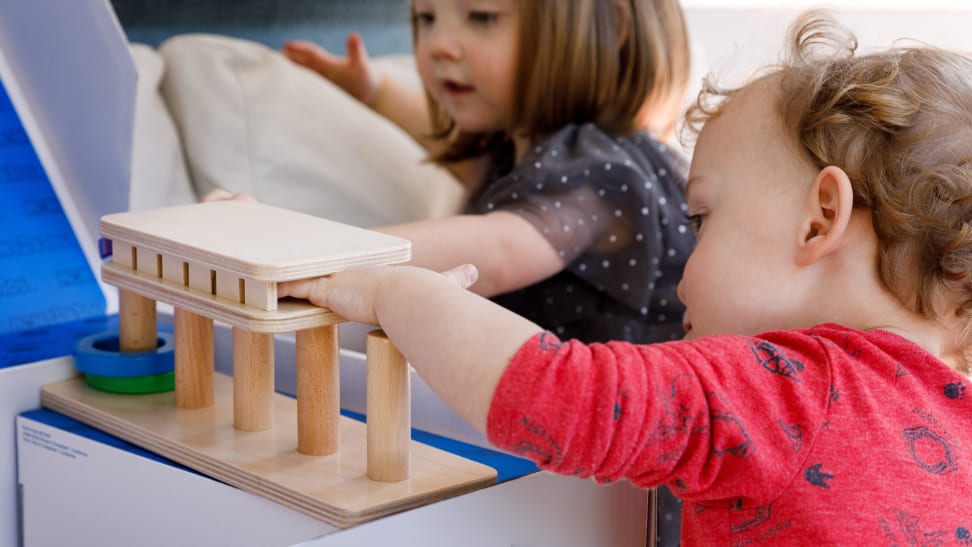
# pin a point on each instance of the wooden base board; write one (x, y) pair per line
(334, 489)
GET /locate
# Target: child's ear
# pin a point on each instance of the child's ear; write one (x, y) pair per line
(831, 202)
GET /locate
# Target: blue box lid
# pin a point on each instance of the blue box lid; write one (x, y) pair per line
(67, 104)
(44, 276)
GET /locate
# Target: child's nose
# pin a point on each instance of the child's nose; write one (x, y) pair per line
(442, 44)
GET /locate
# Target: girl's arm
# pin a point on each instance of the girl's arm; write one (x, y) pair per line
(507, 250)
(458, 342)
(401, 104)
(404, 106)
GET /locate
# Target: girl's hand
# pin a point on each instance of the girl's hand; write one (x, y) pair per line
(354, 73)
(353, 293)
(222, 195)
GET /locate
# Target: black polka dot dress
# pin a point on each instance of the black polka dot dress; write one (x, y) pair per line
(613, 207)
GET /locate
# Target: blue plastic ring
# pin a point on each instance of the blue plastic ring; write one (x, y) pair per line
(99, 354)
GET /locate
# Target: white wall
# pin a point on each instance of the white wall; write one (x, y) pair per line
(750, 37)
(731, 38)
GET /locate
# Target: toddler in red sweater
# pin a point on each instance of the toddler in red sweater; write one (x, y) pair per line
(821, 394)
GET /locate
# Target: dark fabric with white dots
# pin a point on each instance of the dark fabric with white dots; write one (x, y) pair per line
(614, 208)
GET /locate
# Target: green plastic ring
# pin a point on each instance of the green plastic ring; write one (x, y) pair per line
(152, 383)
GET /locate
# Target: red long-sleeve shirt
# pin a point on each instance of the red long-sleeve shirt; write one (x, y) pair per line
(825, 435)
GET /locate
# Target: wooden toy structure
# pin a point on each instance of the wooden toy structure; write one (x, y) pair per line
(222, 261)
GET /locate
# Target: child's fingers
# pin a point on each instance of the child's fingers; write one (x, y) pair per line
(220, 194)
(348, 294)
(310, 55)
(357, 53)
(464, 275)
(297, 51)
(308, 289)
(217, 195)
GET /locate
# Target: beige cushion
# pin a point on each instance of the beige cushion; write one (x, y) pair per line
(251, 121)
(158, 176)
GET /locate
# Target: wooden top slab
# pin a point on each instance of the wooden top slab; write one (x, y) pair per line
(255, 240)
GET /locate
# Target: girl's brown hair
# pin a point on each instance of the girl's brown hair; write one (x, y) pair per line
(598, 61)
(899, 123)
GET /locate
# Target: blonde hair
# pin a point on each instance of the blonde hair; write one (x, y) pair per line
(599, 61)
(899, 123)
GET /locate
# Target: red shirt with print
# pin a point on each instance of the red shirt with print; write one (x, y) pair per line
(826, 435)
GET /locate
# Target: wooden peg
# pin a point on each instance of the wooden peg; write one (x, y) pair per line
(137, 329)
(252, 380)
(193, 360)
(388, 407)
(318, 391)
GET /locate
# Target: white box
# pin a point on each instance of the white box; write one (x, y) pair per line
(20, 391)
(80, 491)
(110, 496)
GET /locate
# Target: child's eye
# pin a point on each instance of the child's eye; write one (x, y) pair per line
(696, 222)
(423, 18)
(483, 17)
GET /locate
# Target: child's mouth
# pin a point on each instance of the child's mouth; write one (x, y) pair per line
(455, 88)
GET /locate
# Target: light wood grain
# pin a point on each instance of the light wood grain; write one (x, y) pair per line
(200, 278)
(261, 294)
(254, 240)
(389, 409)
(228, 286)
(194, 360)
(334, 489)
(147, 261)
(252, 380)
(175, 269)
(122, 254)
(318, 391)
(137, 323)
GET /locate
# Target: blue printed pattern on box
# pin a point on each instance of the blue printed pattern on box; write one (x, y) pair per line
(44, 276)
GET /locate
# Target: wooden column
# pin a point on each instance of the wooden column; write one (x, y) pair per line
(389, 414)
(193, 360)
(252, 380)
(318, 391)
(137, 330)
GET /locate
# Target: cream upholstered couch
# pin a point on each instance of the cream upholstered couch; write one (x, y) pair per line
(214, 111)
(218, 111)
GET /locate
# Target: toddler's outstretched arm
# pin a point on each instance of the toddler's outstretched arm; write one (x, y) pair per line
(458, 342)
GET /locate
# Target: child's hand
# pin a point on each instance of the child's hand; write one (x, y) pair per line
(353, 293)
(353, 73)
(459, 342)
(222, 195)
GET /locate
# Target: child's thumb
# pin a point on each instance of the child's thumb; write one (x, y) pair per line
(463, 276)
